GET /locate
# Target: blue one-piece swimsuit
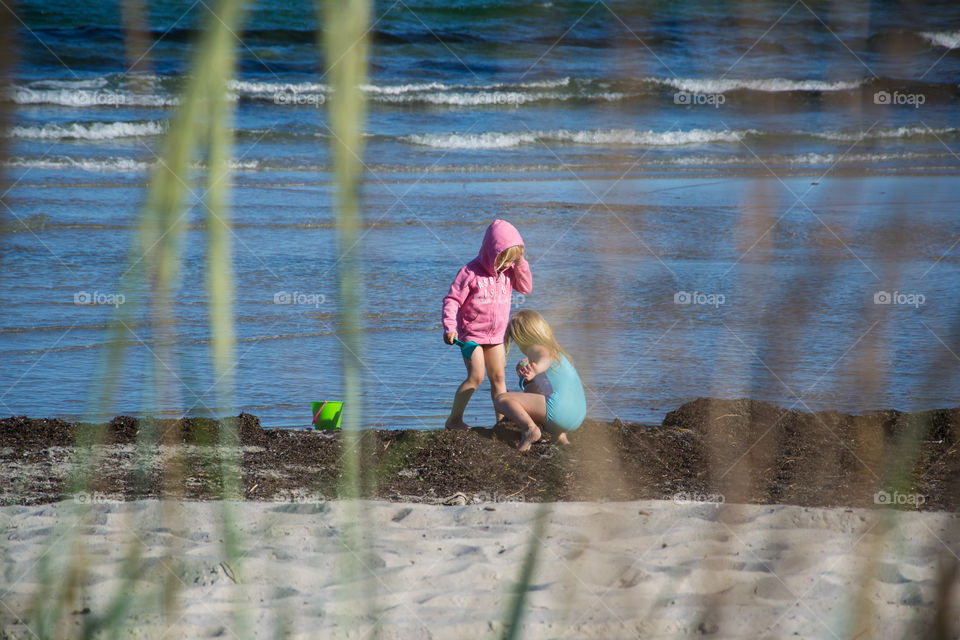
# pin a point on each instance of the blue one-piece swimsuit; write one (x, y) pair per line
(561, 386)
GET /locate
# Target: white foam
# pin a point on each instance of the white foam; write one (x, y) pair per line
(490, 140)
(246, 87)
(839, 158)
(259, 89)
(486, 98)
(899, 132)
(97, 165)
(609, 137)
(771, 85)
(105, 165)
(89, 131)
(797, 159)
(86, 83)
(649, 138)
(99, 82)
(404, 88)
(88, 98)
(471, 95)
(439, 86)
(947, 39)
(460, 98)
(547, 84)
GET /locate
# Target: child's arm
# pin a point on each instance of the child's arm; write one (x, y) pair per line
(537, 361)
(459, 290)
(522, 278)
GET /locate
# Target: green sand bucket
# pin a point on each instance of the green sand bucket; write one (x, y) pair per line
(326, 414)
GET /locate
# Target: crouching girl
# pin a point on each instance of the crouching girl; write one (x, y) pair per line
(552, 397)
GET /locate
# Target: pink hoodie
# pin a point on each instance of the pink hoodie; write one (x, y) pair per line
(478, 304)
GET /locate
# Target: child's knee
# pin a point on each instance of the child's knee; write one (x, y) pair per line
(474, 378)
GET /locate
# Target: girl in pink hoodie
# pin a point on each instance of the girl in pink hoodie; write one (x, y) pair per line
(477, 308)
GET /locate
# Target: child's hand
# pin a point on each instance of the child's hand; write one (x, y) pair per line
(525, 370)
(449, 337)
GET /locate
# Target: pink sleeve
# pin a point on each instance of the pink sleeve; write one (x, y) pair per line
(522, 278)
(459, 290)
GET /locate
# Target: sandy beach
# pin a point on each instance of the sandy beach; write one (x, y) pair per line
(651, 569)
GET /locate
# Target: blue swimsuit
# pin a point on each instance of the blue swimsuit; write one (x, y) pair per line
(560, 385)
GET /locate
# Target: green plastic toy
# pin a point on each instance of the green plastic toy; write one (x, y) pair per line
(466, 348)
(326, 414)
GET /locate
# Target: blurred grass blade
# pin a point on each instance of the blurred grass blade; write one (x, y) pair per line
(154, 267)
(521, 586)
(221, 61)
(345, 47)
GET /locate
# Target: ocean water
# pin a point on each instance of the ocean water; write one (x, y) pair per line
(756, 199)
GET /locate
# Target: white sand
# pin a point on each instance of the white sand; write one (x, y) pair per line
(615, 570)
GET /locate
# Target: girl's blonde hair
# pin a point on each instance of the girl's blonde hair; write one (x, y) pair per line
(508, 255)
(527, 327)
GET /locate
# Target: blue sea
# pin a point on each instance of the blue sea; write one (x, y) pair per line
(718, 199)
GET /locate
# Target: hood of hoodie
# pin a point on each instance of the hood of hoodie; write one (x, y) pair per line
(500, 235)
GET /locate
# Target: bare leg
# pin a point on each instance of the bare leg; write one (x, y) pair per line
(495, 358)
(465, 391)
(529, 436)
(528, 410)
(562, 439)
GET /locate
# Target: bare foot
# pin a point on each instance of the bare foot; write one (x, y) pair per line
(456, 425)
(530, 435)
(562, 439)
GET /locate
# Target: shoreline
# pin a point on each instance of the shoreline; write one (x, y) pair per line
(707, 450)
